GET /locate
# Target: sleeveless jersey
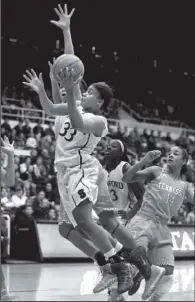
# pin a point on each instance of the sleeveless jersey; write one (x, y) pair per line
(72, 146)
(119, 191)
(163, 197)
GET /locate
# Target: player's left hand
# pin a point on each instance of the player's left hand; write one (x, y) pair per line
(7, 147)
(66, 78)
(64, 17)
(125, 214)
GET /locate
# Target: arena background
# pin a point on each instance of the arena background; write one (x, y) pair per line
(146, 52)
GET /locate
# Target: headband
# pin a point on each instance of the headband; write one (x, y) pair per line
(121, 144)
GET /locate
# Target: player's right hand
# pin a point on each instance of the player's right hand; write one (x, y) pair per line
(64, 17)
(151, 156)
(33, 81)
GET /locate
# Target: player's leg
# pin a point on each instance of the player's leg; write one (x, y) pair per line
(133, 252)
(3, 286)
(83, 191)
(4, 294)
(163, 256)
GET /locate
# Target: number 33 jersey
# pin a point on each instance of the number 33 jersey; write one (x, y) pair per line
(72, 146)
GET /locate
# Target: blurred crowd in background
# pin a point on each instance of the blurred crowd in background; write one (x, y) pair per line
(36, 189)
(156, 110)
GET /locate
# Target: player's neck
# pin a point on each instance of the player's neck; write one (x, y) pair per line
(174, 174)
(112, 164)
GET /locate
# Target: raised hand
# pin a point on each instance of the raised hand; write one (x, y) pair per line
(33, 81)
(64, 17)
(50, 70)
(6, 146)
(151, 156)
(66, 78)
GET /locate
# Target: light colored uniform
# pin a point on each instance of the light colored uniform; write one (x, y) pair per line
(121, 196)
(78, 173)
(162, 199)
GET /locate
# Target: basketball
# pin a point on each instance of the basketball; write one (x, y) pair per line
(70, 61)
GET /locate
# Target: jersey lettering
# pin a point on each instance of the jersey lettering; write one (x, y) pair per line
(113, 195)
(68, 133)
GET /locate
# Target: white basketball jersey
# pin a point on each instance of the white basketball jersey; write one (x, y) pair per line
(72, 146)
(119, 191)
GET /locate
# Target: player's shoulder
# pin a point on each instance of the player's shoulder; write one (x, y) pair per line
(156, 171)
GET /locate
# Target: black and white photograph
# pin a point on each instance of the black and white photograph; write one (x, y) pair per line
(97, 150)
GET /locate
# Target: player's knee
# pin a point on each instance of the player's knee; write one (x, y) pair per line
(169, 269)
(65, 229)
(108, 221)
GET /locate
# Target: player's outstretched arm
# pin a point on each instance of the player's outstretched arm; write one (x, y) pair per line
(54, 86)
(96, 125)
(64, 24)
(36, 84)
(8, 174)
(133, 174)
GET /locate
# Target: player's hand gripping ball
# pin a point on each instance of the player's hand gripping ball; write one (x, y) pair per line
(70, 62)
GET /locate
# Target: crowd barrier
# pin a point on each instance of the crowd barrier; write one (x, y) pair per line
(54, 246)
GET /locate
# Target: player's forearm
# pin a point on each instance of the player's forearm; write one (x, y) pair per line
(135, 209)
(55, 92)
(68, 45)
(46, 103)
(131, 171)
(74, 114)
(10, 171)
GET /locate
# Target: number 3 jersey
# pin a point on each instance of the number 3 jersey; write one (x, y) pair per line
(119, 191)
(163, 197)
(72, 146)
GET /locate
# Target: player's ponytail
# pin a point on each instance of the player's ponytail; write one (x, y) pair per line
(186, 158)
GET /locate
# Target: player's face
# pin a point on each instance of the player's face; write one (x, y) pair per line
(91, 100)
(113, 150)
(175, 158)
(63, 95)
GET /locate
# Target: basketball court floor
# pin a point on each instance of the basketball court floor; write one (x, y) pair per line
(75, 281)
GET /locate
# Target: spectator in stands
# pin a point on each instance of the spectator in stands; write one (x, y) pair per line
(181, 216)
(30, 189)
(49, 192)
(26, 168)
(38, 129)
(19, 127)
(5, 198)
(4, 240)
(39, 173)
(52, 215)
(41, 206)
(26, 128)
(190, 217)
(31, 141)
(33, 156)
(7, 127)
(28, 210)
(20, 141)
(49, 130)
(18, 199)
